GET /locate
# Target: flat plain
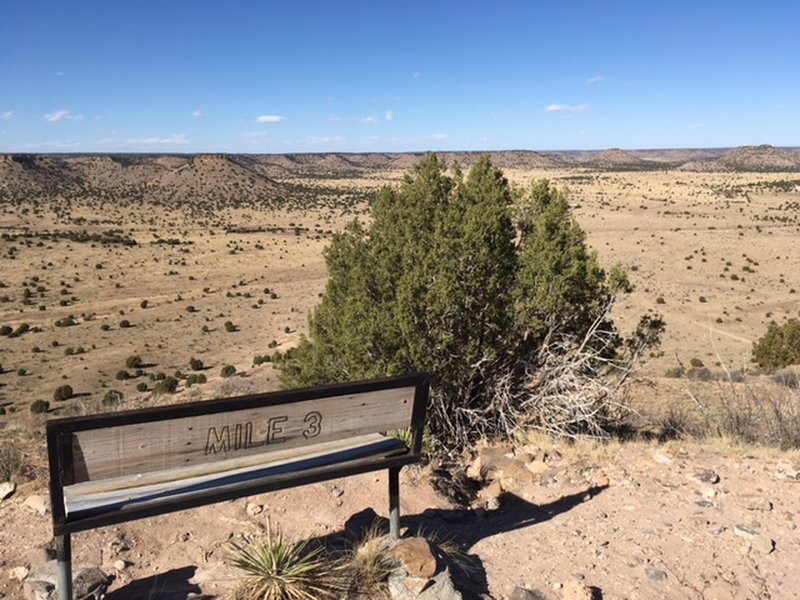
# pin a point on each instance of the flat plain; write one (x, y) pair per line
(195, 263)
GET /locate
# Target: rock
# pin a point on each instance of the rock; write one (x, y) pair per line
(537, 467)
(520, 593)
(337, 492)
(762, 544)
(439, 588)
(86, 582)
(754, 502)
(120, 565)
(708, 492)
(38, 504)
(416, 557)
(575, 590)
(745, 532)
(491, 494)
(254, 509)
(39, 590)
(18, 573)
(704, 476)
(662, 459)
(6, 489)
(655, 574)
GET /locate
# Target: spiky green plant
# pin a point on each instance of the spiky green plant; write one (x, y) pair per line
(279, 569)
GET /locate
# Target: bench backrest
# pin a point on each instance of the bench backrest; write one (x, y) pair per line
(202, 437)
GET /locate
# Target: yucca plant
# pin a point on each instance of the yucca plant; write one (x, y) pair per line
(279, 569)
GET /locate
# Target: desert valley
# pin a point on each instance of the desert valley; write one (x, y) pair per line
(133, 280)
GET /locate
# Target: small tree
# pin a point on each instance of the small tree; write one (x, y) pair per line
(779, 347)
(448, 278)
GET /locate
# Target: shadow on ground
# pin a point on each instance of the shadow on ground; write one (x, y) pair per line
(172, 585)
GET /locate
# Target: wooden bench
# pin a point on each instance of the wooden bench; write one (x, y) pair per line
(111, 468)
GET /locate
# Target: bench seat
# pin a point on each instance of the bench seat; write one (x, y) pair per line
(148, 493)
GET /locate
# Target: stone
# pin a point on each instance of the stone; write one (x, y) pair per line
(537, 467)
(745, 532)
(655, 574)
(38, 504)
(661, 458)
(416, 557)
(403, 587)
(254, 509)
(493, 490)
(762, 544)
(86, 582)
(6, 489)
(520, 593)
(754, 502)
(120, 565)
(576, 590)
(39, 590)
(18, 573)
(704, 476)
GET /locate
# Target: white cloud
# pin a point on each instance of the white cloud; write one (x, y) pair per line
(269, 118)
(439, 136)
(325, 139)
(368, 120)
(56, 145)
(197, 113)
(175, 138)
(388, 116)
(566, 108)
(60, 115)
(595, 79)
(7, 116)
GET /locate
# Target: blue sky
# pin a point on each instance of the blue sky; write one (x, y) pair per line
(248, 76)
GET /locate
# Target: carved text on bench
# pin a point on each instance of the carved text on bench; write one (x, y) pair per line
(240, 437)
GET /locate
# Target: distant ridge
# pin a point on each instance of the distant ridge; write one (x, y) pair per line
(761, 158)
(258, 177)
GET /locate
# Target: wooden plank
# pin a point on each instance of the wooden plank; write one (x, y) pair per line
(130, 449)
(86, 499)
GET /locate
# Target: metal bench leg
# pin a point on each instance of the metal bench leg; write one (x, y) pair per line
(64, 559)
(394, 502)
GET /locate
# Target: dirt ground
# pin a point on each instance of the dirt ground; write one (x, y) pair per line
(632, 521)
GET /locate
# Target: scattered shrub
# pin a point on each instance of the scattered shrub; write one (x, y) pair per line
(660, 300)
(195, 378)
(62, 393)
(39, 406)
(228, 371)
(141, 386)
(779, 347)
(167, 385)
(134, 362)
(230, 327)
(125, 323)
(105, 327)
(5, 330)
(195, 364)
(112, 398)
(696, 363)
(122, 375)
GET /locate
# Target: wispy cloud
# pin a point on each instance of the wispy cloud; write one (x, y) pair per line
(175, 138)
(438, 136)
(269, 118)
(368, 120)
(57, 145)
(7, 116)
(197, 113)
(61, 115)
(388, 116)
(416, 75)
(323, 139)
(566, 108)
(595, 79)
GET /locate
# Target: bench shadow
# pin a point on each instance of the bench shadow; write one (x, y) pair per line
(466, 527)
(171, 585)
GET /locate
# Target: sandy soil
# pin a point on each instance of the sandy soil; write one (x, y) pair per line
(630, 521)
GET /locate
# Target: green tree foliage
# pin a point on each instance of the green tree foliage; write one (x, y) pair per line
(454, 277)
(779, 347)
